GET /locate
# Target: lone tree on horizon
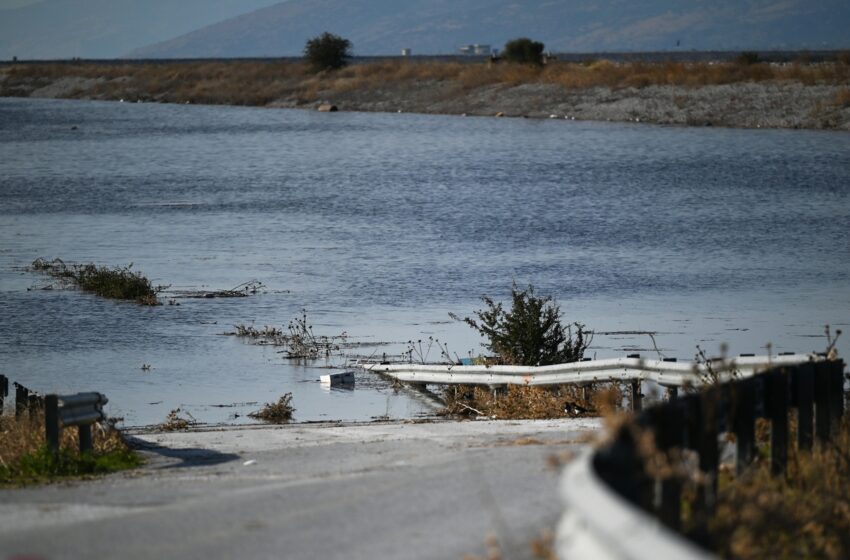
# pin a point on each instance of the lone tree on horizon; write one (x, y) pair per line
(327, 51)
(523, 51)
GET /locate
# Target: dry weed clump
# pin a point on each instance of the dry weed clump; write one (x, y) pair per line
(278, 412)
(175, 423)
(806, 514)
(24, 458)
(529, 402)
(842, 98)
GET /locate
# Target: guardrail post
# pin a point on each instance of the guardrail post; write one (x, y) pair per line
(805, 394)
(21, 399)
(743, 423)
(51, 422)
(778, 410)
(637, 405)
(669, 434)
(33, 404)
(836, 395)
(822, 419)
(85, 438)
(709, 456)
(4, 391)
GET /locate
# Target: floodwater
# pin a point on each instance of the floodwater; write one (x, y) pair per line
(380, 224)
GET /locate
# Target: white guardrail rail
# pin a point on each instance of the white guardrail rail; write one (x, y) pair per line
(598, 524)
(663, 372)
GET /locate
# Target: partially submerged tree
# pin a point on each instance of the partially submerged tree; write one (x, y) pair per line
(523, 51)
(327, 51)
(531, 333)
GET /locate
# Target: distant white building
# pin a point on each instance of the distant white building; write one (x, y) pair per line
(475, 49)
(405, 52)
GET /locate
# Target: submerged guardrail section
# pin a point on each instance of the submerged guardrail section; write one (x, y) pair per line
(665, 372)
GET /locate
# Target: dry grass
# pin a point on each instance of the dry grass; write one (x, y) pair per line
(842, 98)
(803, 515)
(527, 402)
(263, 83)
(23, 451)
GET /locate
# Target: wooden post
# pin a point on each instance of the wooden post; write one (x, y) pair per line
(4, 392)
(85, 438)
(836, 395)
(669, 430)
(805, 395)
(672, 393)
(33, 404)
(777, 390)
(637, 405)
(822, 401)
(743, 423)
(709, 455)
(21, 399)
(51, 422)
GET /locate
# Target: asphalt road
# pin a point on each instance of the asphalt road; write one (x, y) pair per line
(394, 490)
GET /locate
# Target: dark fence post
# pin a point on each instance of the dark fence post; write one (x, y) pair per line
(672, 393)
(51, 422)
(670, 434)
(85, 438)
(709, 455)
(836, 394)
(777, 390)
(805, 394)
(743, 423)
(822, 401)
(4, 391)
(33, 404)
(637, 405)
(21, 399)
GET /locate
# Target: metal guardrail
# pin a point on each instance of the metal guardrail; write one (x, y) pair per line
(634, 368)
(81, 410)
(615, 510)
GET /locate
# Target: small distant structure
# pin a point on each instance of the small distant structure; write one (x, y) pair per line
(476, 49)
(405, 52)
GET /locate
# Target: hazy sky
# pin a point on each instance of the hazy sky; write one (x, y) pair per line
(7, 4)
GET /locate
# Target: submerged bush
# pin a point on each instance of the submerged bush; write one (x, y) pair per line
(278, 412)
(115, 283)
(531, 333)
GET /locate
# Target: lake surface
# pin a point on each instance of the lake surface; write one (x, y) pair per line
(380, 224)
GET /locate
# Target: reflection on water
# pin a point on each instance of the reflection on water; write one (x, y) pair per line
(379, 225)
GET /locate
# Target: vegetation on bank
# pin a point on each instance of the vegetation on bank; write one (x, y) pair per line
(805, 514)
(530, 333)
(25, 458)
(296, 83)
(114, 283)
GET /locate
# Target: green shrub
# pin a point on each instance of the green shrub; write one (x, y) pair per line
(531, 333)
(523, 51)
(748, 58)
(327, 51)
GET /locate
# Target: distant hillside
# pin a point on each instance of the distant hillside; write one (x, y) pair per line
(440, 26)
(105, 28)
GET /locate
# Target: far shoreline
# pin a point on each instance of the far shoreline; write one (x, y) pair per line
(795, 95)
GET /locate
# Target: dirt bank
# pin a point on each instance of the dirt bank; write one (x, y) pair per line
(815, 96)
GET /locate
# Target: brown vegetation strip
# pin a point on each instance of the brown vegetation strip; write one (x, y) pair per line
(264, 83)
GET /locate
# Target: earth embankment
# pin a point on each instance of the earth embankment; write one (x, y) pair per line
(795, 95)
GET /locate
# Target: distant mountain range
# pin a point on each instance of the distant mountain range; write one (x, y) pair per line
(104, 28)
(440, 26)
(237, 28)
